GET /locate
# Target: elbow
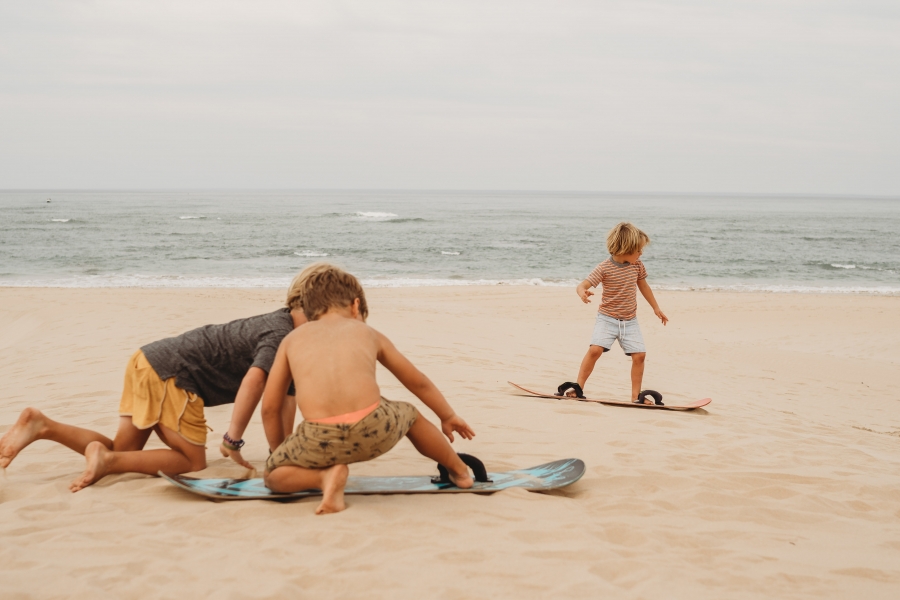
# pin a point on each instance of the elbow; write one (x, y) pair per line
(421, 384)
(256, 377)
(270, 409)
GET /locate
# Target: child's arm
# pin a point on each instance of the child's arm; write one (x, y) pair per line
(417, 383)
(274, 397)
(648, 296)
(245, 402)
(584, 291)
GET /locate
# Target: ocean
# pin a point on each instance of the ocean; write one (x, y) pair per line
(261, 239)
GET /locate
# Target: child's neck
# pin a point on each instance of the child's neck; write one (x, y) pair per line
(338, 312)
(627, 259)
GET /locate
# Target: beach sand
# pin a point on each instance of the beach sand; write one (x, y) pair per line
(786, 486)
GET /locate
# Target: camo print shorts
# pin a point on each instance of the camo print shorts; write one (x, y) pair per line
(322, 445)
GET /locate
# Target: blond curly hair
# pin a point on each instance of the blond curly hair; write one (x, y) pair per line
(625, 238)
(321, 286)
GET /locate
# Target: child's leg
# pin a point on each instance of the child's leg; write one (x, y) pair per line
(331, 481)
(430, 442)
(637, 375)
(587, 365)
(127, 456)
(33, 425)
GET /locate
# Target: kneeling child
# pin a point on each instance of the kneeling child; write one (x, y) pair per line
(332, 363)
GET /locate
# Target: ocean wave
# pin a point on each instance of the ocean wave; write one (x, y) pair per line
(150, 281)
(860, 267)
(412, 282)
(185, 217)
(310, 254)
(279, 282)
(863, 290)
(173, 281)
(445, 252)
(60, 220)
(375, 216)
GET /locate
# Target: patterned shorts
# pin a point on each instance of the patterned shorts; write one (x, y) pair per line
(322, 445)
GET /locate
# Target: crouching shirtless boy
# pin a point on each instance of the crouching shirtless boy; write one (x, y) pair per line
(332, 360)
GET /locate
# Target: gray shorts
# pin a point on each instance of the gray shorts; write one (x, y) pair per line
(607, 330)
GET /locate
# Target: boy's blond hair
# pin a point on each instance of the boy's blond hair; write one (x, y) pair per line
(321, 286)
(294, 297)
(625, 238)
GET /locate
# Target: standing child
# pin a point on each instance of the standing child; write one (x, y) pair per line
(332, 360)
(619, 275)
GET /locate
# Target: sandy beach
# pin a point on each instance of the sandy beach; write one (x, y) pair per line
(786, 486)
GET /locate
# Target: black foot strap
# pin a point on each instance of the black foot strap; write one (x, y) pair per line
(569, 385)
(473, 463)
(657, 397)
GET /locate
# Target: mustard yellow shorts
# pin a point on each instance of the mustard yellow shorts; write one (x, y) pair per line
(321, 445)
(149, 401)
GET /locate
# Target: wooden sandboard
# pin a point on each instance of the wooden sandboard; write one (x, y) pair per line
(549, 476)
(691, 406)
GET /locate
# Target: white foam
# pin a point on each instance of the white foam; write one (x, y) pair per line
(60, 220)
(310, 254)
(166, 281)
(884, 290)
(151, 281)
(404, 282)
(449, 253)
(191, 217)
(862, 267)
(376, 216)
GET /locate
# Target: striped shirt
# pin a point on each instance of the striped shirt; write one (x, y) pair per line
(619, 281)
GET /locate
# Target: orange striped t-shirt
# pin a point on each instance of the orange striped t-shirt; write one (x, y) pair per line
(619, 281)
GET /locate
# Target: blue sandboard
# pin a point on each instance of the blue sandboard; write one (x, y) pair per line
(549, 476)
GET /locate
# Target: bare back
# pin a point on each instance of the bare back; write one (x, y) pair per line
(332, 361)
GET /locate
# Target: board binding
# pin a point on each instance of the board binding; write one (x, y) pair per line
(691, 406)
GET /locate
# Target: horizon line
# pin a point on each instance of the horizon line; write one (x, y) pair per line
(732, 194)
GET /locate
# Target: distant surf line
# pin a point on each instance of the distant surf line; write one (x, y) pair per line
(163, 281)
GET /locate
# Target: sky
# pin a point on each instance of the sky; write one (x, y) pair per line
(695, 96)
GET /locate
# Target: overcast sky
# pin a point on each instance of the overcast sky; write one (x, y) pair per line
(688, 96)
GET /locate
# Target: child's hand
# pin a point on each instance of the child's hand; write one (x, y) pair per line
(585, 295)
(661, 315)
(455, 423)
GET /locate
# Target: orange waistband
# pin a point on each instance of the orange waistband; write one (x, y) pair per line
(349, 418)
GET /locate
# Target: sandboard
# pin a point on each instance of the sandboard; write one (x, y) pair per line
(691, 406)
(549, 476)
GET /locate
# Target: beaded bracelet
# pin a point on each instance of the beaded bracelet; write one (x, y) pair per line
(232, 444)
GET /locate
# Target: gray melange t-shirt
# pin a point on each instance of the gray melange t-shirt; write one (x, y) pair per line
(211, 361)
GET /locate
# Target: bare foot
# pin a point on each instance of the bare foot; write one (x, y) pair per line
(26, 430)
(571, 394)
(333, 481)
(97, 457)
(461, 479)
